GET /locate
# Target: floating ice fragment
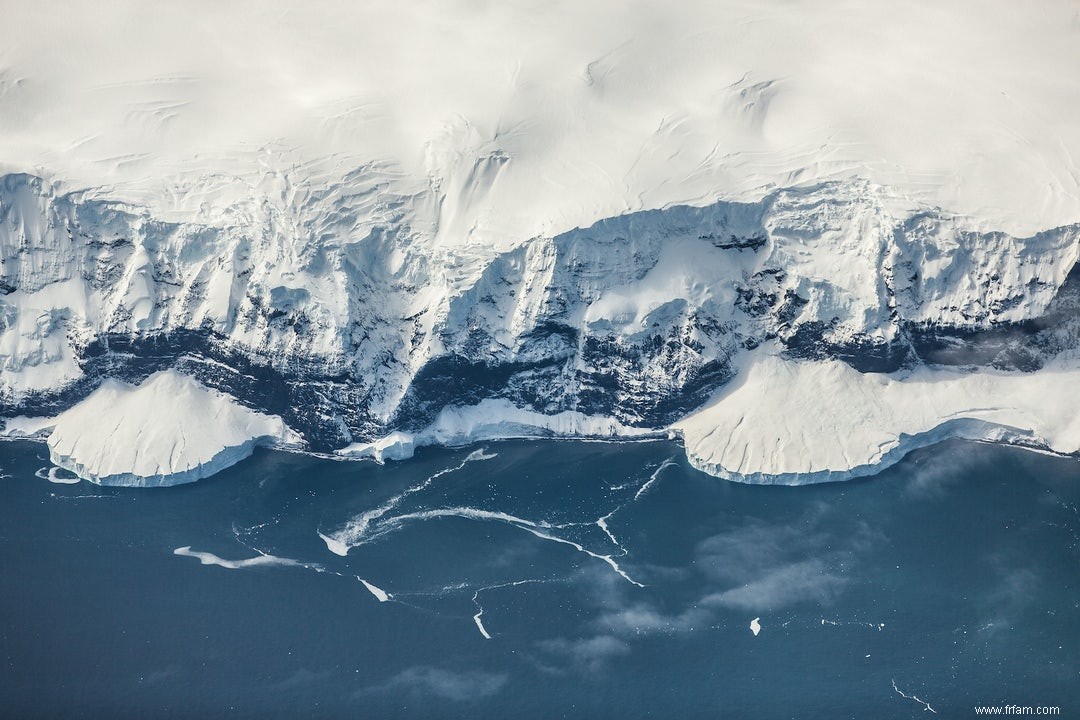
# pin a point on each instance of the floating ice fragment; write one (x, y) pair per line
(53, 476)
(335, 546)
(380, 594)
(211, 559)
(480, 625)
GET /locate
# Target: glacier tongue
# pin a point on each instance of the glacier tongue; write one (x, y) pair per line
(792, 422)
(168, 430)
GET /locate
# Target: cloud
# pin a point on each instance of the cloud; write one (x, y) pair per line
(588, 654)
(809, 580)
(169, 673)
(447, 684)
(742, 554)
(301, 678)
(1014, 592)
(642, 618)
(752, 568)
(931, 475)
(766, 567)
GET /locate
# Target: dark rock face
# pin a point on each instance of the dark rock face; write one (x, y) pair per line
(321, 408)
(1022, 346)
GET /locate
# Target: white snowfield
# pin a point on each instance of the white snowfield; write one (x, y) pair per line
(534, 118)
(788, 422)
(168, 430)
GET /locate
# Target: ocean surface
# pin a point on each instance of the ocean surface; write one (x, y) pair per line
(542, 580)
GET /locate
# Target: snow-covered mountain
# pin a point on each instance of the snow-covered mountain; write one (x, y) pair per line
(596, 236)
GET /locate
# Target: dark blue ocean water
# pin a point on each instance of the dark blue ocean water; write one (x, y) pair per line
(951, 577)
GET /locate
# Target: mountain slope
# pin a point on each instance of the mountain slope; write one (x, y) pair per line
(638, 317)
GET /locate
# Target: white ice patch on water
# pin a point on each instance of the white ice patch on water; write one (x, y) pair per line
(530, 527)
(477, 616)
(602, 524)
(463, 512)
(380, 521)
(580, 548)
(335, 546)
(53, 475)
(480, 608)
(755, 626)
(480, 625)
(380, 594)
(652, 478)
(90, 496)
(259, 560)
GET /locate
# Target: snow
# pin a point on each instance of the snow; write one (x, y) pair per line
(492, 420)
(395, 446)
(23, 427)
(168, 430)
(362, 191)
(35, 353)
(781, 421)
(622, 106)
(793, 422)
(784, 421)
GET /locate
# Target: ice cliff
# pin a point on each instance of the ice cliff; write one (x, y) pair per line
(168, 430)
(612, 330)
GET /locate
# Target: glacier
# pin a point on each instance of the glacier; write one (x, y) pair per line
(167, 431)
(801, 422)
(669, 226)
